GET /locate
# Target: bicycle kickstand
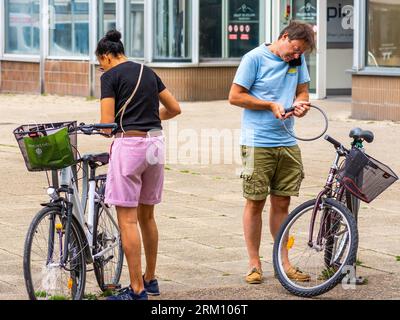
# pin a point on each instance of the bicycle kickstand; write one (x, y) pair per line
(360, 280)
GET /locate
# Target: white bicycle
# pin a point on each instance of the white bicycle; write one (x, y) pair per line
(62, 240)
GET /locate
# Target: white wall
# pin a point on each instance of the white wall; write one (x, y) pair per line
(338, 61)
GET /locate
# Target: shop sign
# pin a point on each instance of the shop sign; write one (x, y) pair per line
(340, 22)
(306, 10)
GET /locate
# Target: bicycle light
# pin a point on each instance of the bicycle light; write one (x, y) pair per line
(52, 193)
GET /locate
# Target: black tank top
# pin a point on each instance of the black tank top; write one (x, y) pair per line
(142, 113)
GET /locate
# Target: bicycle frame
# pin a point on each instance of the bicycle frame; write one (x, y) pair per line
(329, 191)
(68, 183)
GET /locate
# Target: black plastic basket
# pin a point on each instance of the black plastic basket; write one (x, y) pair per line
(30, 130)
(365, 177)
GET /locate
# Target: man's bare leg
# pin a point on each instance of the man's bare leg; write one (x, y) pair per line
(252, 226)
(278, 213)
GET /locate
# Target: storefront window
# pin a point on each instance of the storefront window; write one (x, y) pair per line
(383, 34)
(106, 17)
(172, 30)
(230, 29)
(134, 28)
(22, 20)
(211, 28)
(243, 26)
(69, 27)
(340, 24)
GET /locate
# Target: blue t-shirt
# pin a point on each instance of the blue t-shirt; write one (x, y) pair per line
(268, 78)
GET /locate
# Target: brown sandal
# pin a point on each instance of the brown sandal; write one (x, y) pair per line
(297, 275)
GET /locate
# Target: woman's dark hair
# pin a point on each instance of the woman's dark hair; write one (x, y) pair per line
(110, 43)
(300, 31)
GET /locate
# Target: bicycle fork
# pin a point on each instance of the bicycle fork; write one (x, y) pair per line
(319, 205)
(68, 226)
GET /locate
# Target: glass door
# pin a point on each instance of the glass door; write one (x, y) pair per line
(314, 13)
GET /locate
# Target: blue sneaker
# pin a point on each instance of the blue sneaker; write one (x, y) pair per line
(128, 294)
(151, 287)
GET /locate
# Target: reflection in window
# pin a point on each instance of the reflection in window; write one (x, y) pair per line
(383, 34)
(243, 26)
(106, 17)
(22, 20)
(229, 29)
(211, 29)
(134, 28)
(172, 29)
(69, 27)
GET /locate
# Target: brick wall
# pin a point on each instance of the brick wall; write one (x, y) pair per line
(72, 78)
(20, 77)
(198, 84)
(67, 77)
(376, 98)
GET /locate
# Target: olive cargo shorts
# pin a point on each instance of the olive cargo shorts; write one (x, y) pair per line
(271, 170)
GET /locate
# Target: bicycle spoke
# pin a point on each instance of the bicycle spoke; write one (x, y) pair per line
(48, 279)
(312, 271)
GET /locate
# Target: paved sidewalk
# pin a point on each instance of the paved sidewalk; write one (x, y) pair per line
(202, 253)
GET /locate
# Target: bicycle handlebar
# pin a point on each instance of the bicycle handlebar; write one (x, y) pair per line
(96, 128)
(335, 143)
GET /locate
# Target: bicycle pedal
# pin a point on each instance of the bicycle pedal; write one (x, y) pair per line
(112, 287)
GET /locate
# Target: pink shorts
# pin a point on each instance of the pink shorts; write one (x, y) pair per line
(135, 171)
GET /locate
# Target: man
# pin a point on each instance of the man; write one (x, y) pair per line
(270, 79)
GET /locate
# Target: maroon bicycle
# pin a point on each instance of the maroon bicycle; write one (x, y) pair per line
(316, 246)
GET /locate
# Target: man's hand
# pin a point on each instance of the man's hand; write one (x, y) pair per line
(279, 111)
(301, 108)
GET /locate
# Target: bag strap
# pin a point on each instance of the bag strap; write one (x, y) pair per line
(122, 110)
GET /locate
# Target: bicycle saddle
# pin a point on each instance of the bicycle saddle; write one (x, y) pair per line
(358, 133)
(101, 158)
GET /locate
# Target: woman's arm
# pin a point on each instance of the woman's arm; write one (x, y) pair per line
(170, 107)
(107, 106)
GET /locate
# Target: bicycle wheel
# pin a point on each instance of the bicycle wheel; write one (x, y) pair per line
(107, 245)
(45, 277)
(353, 204)
(335, 221)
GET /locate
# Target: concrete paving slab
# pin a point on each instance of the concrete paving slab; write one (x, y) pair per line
(202, 254)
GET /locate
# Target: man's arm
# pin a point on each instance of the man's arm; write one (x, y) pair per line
(302, 102)
(239, 96)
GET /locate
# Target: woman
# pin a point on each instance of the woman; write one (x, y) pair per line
(130, 96)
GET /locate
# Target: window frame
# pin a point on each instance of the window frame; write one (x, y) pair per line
(71, 57)
(125, 14)
(360, 66)
(225, 59)
(193, 11)
(19, 57)
(148, 58)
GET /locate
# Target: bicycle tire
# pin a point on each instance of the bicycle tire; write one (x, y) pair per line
(338, 276)
(103, 277)
(76, 267)
(353, 204)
